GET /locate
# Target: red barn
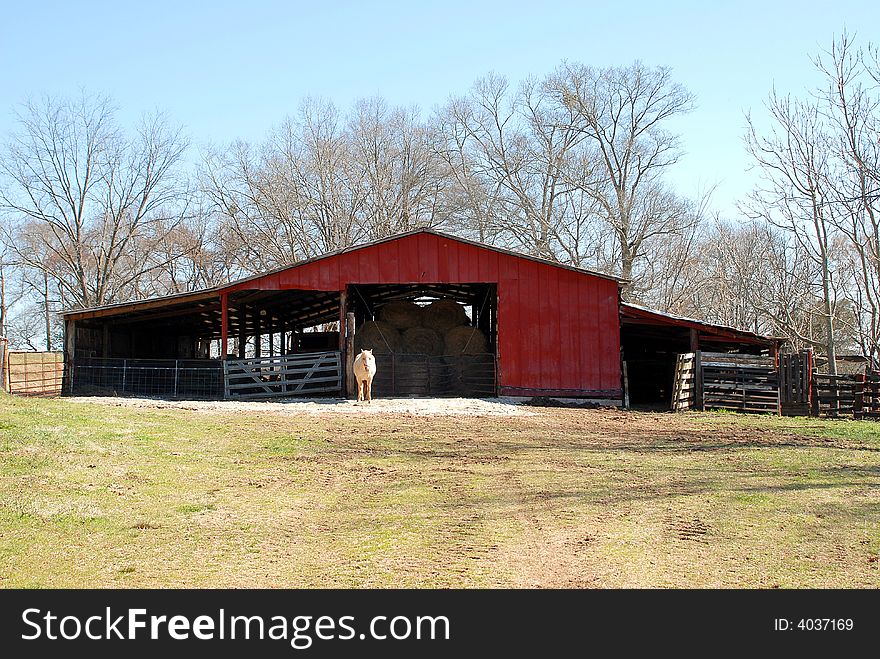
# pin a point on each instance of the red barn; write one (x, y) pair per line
(551, 330)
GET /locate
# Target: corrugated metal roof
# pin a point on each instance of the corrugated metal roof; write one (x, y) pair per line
(685, 321)
(183, 297)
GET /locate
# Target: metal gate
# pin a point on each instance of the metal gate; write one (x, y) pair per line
(300, 374)
(466, 376)
(33, 373)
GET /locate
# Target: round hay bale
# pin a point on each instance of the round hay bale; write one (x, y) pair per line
(401, 314)
(465, 340)
(377, 336)
(422, 341)
(442, 315)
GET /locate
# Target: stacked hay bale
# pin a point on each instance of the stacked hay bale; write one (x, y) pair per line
(422, 341)
(380, 337)
(440, 328)
(401, 314)
(443, 315)
(465, 340)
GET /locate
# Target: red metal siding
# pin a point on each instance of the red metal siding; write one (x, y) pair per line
(558, 330)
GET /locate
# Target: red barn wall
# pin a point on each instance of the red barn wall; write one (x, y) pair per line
(558, 329)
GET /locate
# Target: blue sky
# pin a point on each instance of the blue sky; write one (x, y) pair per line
(227, 70)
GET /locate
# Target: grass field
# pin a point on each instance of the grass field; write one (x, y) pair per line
(93, 495)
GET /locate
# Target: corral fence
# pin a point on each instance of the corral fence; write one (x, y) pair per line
(684, 385)
(856, 396)
(755, 383)
(284, 375)
(166, 378)
(31, 373)
(867, 398)
(834, 395)
(403, 375)
(714, 380)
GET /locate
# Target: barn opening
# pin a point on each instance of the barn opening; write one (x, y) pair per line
(286, 342)
(174, 349)
(428, 339)
(651, 341)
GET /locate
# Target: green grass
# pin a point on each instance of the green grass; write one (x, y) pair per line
(94, 495)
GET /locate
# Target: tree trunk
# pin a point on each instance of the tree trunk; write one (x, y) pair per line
(46, 310)
(2, 303)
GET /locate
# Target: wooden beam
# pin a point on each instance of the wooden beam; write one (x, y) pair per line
(348, 356)
(224, 325)
(105, 340)
(343, 309)
(145, 305)
(258, 336)
(695, 340)
(69, 352)
(242, 336)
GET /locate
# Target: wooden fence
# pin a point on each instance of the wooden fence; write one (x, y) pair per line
(745, 383)
(753, 383)
(834, 395)
(4, 371)
(283, 375)
(795, 381)
(684, 385)
(33, 373)
(867, 396)
(715, 380)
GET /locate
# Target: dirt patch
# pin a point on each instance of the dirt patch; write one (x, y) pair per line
(331, 406)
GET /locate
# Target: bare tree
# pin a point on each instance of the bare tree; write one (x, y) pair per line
(511, 155)
(396, 166)
(79, 195)
(851, 106)
(794, 160)
(623, 112)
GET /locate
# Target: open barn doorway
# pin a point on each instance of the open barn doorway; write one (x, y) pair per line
(175, 349)
(651, 341)
(436, 340)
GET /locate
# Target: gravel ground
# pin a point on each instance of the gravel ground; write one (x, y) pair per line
(324, 406)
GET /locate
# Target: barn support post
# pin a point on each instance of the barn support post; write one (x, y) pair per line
(69, 352)
(105, 340)
(810, 373)
(698, 381)
(343, 309)
(242, 336)
(348, 356)
(695, 340)
(224, 325)
(258, 336)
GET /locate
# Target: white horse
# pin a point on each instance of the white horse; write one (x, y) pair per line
(364, 370)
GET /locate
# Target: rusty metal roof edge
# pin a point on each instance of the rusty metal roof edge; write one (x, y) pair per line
(703, 323)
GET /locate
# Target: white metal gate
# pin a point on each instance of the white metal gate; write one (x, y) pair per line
(285, 375)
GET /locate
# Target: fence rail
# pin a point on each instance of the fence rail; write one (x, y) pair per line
(33, 373)
(684, 386)
(834, 395)
(745, 383)
(402, 374)
(174, 378)
(284, 375)
(867, 398)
